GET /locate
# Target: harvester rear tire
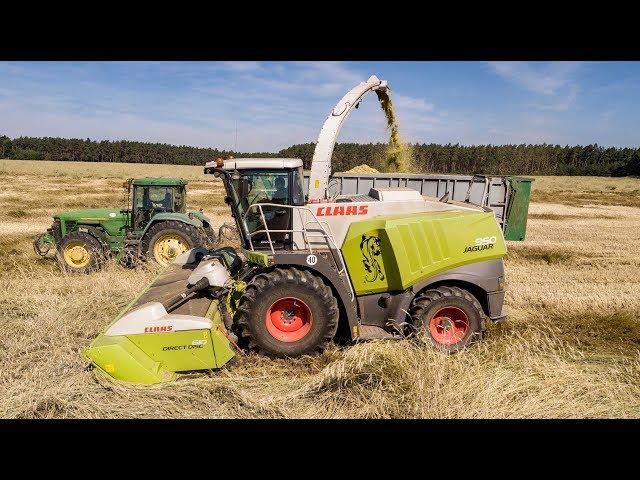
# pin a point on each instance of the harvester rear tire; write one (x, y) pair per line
(187, 234)
(287, 312)
(450, 317)
(91, 245)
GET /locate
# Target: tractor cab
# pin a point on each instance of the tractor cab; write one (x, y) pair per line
(152, 196)
(261, 191)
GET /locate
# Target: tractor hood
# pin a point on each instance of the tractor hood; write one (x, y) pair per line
(92, 214)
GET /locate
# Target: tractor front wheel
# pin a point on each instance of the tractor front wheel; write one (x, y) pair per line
(451, 317)
(287, 313)
(164, 241)
(80, 252)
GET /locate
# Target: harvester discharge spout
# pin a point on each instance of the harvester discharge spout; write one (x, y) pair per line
(321, 163)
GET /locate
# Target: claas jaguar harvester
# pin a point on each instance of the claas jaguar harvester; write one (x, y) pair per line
(376, 266)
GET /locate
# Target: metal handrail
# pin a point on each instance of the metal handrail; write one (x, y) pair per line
(328, 236)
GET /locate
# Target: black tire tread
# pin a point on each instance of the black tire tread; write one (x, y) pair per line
(260, 283)
(96, 246)
(194, 235)
(423, 301)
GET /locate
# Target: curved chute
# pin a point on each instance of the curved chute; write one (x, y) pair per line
(321, 164)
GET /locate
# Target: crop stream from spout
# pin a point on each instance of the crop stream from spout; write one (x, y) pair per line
(398, 154)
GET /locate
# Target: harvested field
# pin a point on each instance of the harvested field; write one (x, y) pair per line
(571, 348)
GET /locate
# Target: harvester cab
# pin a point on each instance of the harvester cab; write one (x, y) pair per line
(263, 187)
(387, 264)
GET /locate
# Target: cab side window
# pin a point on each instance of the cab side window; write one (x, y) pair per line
(269, 188)
(161, 198)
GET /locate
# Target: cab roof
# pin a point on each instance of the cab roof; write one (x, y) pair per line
(256, 163)
(159, 181)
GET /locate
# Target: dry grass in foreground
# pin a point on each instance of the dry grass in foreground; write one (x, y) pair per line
(571, 347)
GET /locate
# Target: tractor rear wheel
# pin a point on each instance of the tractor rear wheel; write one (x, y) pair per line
(80, 252)
(451, 317)
(164, 241)
(287, 313)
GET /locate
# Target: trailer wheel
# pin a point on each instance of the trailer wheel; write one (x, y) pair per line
(164, 241)
(80, 252)
(451, 317)
(287, 313)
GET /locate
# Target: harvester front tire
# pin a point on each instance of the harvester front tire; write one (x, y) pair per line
(80, 252)
(287, 313)
(450, 317)
(179, 238)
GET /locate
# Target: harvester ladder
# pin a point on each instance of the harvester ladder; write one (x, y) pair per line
(325, 233)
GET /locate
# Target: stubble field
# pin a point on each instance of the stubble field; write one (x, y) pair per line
(571, 347)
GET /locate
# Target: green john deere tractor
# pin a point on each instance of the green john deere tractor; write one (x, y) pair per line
(155, 226)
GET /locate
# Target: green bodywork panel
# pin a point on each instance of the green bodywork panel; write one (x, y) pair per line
(394, 252)
(200, 216)
(258, 258)
(113, 220)
(150, 358)
(178, 351)
(180, 217)
(516, 219)
(119, 358)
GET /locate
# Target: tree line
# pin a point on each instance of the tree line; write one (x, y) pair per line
(541, 159)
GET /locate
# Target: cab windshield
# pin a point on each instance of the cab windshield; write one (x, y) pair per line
(149, 200)
(276, 187)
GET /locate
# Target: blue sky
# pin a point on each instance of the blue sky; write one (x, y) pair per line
(276, 104)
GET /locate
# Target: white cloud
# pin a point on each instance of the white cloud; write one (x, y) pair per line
(411, 103)
(562, 102)
(554, 84)
(537, 77)
(243, 66)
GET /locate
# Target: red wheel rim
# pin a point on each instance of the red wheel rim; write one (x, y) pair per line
(449, 325)
(288, 319)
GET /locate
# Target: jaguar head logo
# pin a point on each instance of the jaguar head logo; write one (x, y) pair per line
(370, 246)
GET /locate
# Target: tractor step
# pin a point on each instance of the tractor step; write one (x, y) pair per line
(372, 332)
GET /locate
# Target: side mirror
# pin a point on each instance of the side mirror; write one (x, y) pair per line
(227, 200)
